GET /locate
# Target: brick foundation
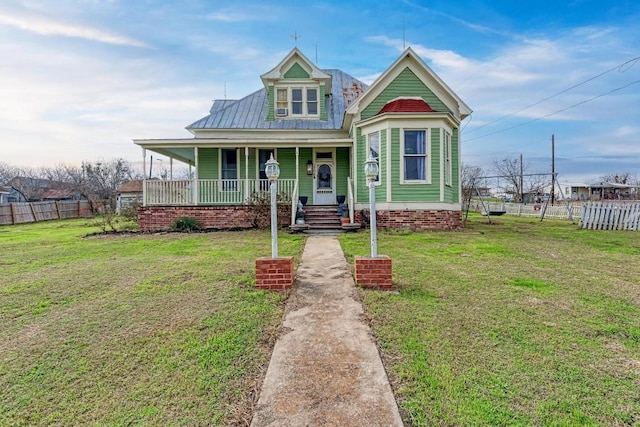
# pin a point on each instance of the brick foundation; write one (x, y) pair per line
(416, 220)
(274, 274)
(374, 272)
(157, 218)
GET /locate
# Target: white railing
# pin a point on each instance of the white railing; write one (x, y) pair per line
(211, 191)
(350, 199)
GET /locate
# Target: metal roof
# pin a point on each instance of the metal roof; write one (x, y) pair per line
(250, 112)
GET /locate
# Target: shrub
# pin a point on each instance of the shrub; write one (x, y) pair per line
(186, 225)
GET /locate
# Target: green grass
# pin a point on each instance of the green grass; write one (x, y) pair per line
(517, 323)
(132, 329)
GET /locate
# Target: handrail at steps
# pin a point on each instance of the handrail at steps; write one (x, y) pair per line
(350, 195)
(294, 202)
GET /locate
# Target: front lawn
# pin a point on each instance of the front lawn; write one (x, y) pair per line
(518, 323)
(132, 329)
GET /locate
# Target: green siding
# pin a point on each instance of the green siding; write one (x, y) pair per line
(271, 101)
(305, 183)
(287, 160)
(296, 72)
(406, 84)
(208, 163)
(436, 160)
(342, 171)
(323, 104)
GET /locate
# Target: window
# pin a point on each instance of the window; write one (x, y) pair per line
(447, 158)
(297, 101)
(282, 100)
(312, 101)
(229, 169)
(415, 155)
(374, 149)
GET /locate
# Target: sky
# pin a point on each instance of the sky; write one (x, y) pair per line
(80, 79)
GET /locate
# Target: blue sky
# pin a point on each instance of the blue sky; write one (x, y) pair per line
(79, 79)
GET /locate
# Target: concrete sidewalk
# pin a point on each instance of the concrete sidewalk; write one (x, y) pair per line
(325, 369)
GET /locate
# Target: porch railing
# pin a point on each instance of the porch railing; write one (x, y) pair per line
(211, 191)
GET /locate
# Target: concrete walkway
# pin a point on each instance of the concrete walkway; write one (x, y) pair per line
(325, 369)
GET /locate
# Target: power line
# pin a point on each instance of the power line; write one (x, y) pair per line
(621, 68)
(555, 112)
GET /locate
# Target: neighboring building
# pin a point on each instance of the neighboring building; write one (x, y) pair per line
(38, 189)
(129, 196)
(10, 194)
(321, 125)
(600, 191)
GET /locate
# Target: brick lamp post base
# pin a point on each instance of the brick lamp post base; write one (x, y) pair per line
(274, 274)
(374, 273)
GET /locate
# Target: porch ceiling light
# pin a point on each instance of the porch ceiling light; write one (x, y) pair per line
(371, 169)
(309, 167)
(272, 169)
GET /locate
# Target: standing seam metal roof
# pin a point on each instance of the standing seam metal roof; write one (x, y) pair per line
(250, 112)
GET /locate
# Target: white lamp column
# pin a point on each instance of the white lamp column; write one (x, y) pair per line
(272, 170)
(371, 170)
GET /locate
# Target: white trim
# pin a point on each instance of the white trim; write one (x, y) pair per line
(388, 146)
(333, 163)
(411, 206)
(441, 161)
(428, 157)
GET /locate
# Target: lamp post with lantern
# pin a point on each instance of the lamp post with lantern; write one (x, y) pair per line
(371, 170)
(272, 170)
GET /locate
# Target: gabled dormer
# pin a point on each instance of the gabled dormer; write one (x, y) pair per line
(296, 89)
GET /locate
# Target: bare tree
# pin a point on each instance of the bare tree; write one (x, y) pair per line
(104, 177)
(7, 172)
(518, 178)
(621, 178)
(471, 177)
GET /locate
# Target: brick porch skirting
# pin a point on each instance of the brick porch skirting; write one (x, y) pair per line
(416, 220)
(159, 218)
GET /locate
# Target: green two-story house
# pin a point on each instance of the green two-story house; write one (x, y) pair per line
(320, 125)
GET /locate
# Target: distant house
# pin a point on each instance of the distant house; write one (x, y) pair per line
(129, 195)
(601, 191)
(321, 125)
(38, 189)
(9, 194)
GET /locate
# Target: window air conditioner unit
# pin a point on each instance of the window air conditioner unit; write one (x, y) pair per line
(282, 112)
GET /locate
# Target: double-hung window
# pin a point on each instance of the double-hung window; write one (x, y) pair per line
(447, 157)
(415, 155)
(229, 169)
(374, 149)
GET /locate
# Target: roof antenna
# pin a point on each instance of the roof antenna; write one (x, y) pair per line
(225, 90)
(404, 45)
(295, 36)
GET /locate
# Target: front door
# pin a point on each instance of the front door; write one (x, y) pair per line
(324, 182)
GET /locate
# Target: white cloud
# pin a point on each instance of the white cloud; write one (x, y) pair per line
(47, 27)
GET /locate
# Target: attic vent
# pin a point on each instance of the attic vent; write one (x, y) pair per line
(281, 112)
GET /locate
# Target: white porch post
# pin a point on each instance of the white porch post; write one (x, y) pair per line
(297, 165)
(246, 173)
(144, 168)
(171, 168)
(196, 194)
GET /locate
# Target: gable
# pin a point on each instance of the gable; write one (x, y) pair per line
(296, 72)
(404, 85)
(408, 76)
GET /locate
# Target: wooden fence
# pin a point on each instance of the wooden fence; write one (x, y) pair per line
(609, 216)
(18, 213)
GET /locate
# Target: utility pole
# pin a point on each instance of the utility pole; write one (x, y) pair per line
(521, 180)
(553, 168)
